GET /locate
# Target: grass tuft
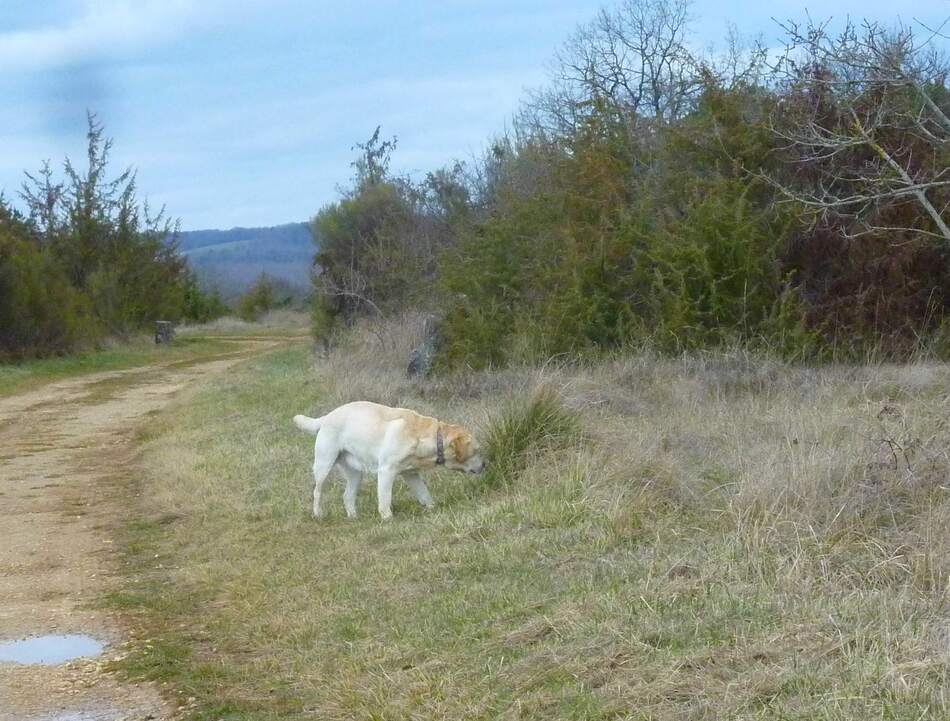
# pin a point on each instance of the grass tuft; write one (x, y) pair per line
(540, 423)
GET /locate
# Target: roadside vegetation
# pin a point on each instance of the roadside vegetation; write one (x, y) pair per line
(86, 262)
(706, 536)
(265, 295)
(192, 342)
(793, 202)
(695, 305)
(133, 351)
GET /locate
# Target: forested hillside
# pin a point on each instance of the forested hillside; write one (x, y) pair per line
(232, 260)
(792, 201)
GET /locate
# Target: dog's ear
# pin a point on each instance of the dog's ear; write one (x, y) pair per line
(461, 446)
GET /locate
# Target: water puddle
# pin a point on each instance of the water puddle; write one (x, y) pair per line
(50, 650)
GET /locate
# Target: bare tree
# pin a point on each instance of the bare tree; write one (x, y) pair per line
(633, 59)
(865, 122)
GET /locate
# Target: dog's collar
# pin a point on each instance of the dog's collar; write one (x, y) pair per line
(439, 448)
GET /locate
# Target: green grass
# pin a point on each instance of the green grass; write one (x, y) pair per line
(191, 343)
(137, 351)
(679, 543)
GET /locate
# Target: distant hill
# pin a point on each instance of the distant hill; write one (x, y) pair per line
(231, 260)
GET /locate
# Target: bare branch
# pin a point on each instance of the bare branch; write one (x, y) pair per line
(860, 119)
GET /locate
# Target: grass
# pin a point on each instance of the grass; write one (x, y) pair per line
(283, 322)
(135, 351)
(708, 537)
(191, 343)
(537, 424)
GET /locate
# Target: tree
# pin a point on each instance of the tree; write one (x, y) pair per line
(259, 299)
(112, 248)
(377, 245)
(633, 59)
(866, 127)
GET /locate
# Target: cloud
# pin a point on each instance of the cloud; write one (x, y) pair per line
(245, 113)
(103, 28)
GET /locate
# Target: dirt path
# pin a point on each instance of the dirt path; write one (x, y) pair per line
(58, 446)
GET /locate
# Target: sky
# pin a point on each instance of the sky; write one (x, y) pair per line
(245, 112)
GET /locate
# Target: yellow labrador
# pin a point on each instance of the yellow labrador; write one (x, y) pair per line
(365, 437)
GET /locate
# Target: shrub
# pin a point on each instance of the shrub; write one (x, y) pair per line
(377, 245)
(200, 306)
(88, 258)
(714, 275)
(257, 300)
(601, 223)
(41, 313)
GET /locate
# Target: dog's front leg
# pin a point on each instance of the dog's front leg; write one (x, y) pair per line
(419, 489)
(384, 492)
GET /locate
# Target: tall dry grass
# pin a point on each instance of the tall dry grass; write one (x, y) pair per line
(281, 321)
(828, 446)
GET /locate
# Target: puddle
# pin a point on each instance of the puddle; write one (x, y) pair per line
(50, 650)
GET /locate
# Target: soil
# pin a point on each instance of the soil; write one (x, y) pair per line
(62, 449)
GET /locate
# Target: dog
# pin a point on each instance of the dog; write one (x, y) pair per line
(364, 437)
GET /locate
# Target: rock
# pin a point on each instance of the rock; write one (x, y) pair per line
(164, 331)
(422, 356)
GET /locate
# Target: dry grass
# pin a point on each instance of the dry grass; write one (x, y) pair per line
(724, 537)
(283, 321)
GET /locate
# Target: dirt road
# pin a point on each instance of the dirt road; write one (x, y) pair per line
(60, 446)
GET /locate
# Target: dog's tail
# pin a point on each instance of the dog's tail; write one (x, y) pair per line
(306, 423)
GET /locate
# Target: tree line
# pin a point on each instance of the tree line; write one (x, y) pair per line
(86, 260)
(795, 201)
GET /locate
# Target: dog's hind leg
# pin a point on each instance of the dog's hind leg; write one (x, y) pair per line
(419, 488)
(320, 472)
(324, 458)
(353, 479)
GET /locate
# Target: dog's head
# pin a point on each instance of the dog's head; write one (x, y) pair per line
(462, 452)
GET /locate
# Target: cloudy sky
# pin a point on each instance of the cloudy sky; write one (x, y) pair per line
(245, 112)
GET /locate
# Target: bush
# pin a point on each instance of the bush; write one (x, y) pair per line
(377, 245)
(707, 213)
(199, 306)
(41, 313)
(714, 274)
(258, 300)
